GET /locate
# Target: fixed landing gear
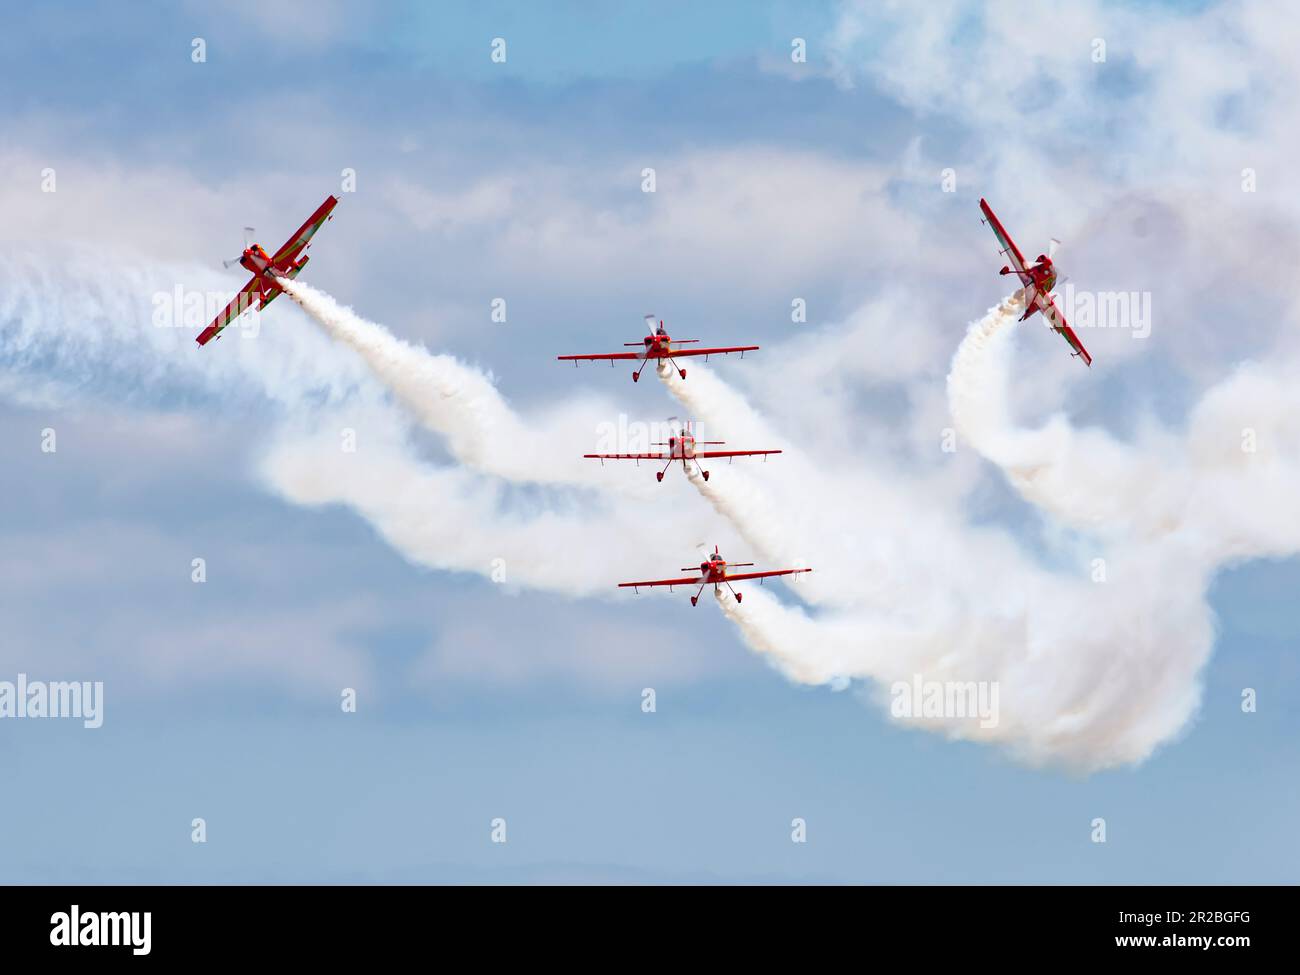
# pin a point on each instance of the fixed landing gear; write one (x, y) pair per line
(682, 373)
(706, 475)
(695, 600)
(659, 475)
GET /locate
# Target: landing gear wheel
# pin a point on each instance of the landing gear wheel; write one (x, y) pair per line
(682, 373)
(659, 475)
(695, 600)
(739, 595)
(706, 475)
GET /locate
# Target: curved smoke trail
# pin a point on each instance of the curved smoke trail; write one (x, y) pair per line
(463, 405)
(1090, 673)
(1215, 489)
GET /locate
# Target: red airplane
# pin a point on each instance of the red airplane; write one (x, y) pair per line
(682, 448)
(264, 288)
(713, 572)
(658, 345)
(1038, 279)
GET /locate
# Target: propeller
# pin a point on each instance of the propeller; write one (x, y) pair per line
(1052, 245)
(650, 323)
(233, 261)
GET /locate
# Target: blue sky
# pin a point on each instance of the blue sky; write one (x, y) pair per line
(477, 180)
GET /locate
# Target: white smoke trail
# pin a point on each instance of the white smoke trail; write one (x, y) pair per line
(1091, 673)
(1090, 686)
(454, 519)
(979, 372)
(576, 544)
(1114, 491)
(1219, 486)
(76, 325)
(780, 507)
(462, 404)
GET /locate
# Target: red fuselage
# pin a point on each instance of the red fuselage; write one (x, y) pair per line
(714, 570)
(657, 343)
(264, 268)
(255, 260)
(1043, 273)
(681, 448)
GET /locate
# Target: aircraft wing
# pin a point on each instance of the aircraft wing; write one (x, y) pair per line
(249, 297)
(1059, 325)
(734, 453)
(299, 241)
(764, 575)
(679, 353)
(687, 581)
(628, 456)
(1014, 258)
(602, 355)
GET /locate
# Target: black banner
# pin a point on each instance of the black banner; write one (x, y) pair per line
(333, 924)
